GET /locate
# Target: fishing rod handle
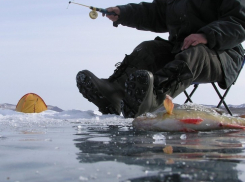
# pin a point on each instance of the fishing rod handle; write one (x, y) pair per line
(104, 11)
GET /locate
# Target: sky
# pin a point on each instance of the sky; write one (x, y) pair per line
(43, 45)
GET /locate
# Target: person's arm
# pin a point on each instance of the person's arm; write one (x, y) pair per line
(229, 30)
(142, 16)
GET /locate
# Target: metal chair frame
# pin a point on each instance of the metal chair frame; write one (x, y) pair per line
(222, 97)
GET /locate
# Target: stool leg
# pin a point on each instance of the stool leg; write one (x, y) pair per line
(222, 98)
(192, 92)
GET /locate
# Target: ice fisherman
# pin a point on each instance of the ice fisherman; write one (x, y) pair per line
(204, 45)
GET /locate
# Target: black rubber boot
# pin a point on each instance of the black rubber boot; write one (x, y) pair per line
(123, 70)
(140, 96)
(104, 94)
(145, 92)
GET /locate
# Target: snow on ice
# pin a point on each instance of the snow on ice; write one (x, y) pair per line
(11, 118)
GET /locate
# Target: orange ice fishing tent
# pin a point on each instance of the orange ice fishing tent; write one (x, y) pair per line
(31, 103)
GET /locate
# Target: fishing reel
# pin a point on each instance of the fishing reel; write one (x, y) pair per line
(93, 14)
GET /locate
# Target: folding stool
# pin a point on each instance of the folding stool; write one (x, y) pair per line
(222, 97)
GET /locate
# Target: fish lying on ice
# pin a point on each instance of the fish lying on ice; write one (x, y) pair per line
(187, 118)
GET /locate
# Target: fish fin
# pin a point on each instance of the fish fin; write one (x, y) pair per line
(168, 150)
(168, 104)
(192, 120)
(232, 126)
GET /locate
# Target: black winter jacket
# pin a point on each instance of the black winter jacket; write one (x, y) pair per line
(222, 21)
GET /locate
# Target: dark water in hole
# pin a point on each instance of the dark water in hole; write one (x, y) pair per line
(34, 148)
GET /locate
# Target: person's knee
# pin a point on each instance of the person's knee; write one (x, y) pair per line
(146, 45)
(142, 55)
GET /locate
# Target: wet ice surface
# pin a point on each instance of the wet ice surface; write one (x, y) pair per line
(85, 146)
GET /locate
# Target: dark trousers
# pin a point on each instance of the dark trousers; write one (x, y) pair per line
(156, 54)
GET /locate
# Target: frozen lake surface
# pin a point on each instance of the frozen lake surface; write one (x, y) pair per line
(85, 146)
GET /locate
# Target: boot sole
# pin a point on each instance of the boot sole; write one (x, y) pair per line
(138, 87)
(89, 91)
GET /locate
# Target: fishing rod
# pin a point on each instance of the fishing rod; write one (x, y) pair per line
(93, 14)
